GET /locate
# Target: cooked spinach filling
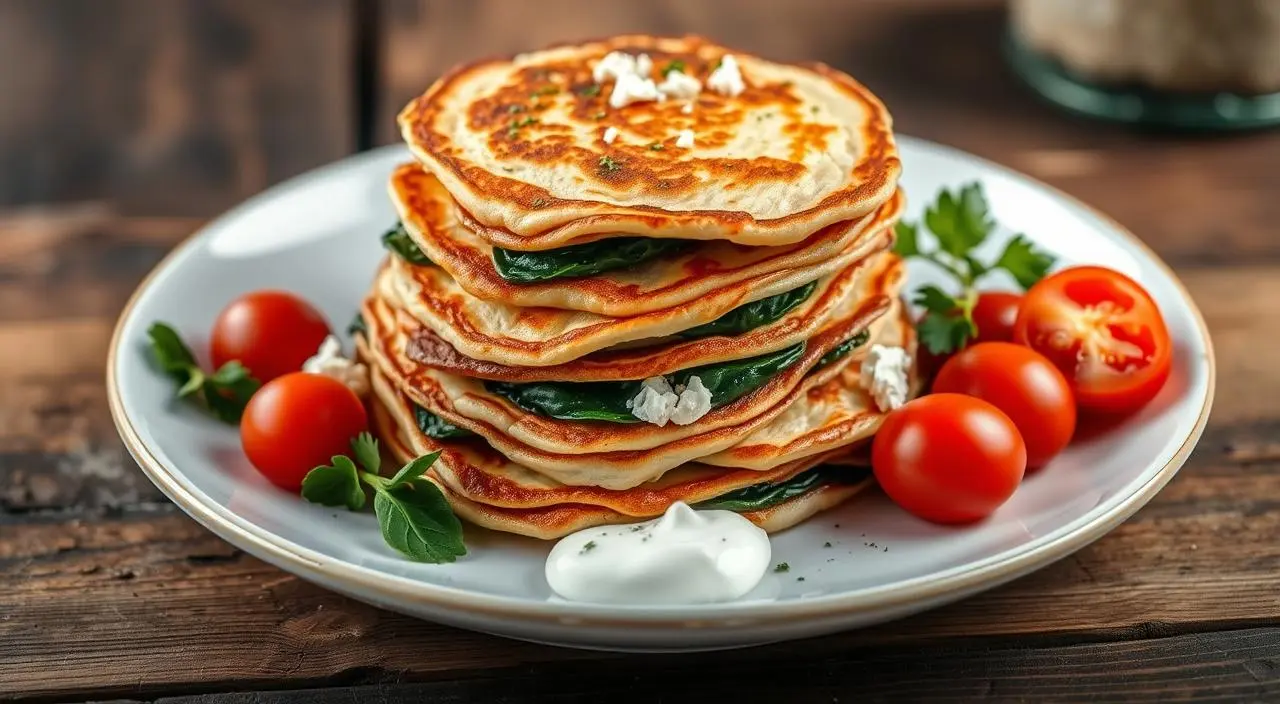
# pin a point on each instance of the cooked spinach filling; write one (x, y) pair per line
(397, 240)
(580, 260)
(762, 496)
(357, 326)
(844, 348)
(609, 400)
(752, 315)
(433, 426)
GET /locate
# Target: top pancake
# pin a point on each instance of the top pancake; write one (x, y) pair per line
(519, 144)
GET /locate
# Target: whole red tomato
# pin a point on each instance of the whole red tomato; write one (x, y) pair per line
(1021, 383)
(271, 332)
(948, 458)
(296, 423)
(1105, 333)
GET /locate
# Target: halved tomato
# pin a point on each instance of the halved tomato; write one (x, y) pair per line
(1105, 333)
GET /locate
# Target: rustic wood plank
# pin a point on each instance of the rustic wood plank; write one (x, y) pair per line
(1239, 665)
(937, 65)
(170, 106)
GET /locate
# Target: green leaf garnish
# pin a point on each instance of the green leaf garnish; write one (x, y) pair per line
(413, 513)
(398, 240)
(676, 65)
(225, 392)
(608, 165)
(960, 222)
(590, 91)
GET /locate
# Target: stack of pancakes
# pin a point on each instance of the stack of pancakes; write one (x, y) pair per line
(555, 251)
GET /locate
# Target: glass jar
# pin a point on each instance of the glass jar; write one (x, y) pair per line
(1189, 64)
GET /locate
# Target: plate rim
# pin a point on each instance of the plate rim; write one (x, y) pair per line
(358, 580)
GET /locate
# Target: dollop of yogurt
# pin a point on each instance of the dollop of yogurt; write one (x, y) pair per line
(684, 557)
(328, 361)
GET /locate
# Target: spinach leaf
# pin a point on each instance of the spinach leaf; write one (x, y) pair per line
(608, 400)
(581, 259)
(752, 315)
(433, 426)
(397, 240)
(761, 496)
(357, 326)
(844, 348)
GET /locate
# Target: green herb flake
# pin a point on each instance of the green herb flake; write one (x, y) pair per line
(513, 109)
(545, 90)
(590, 91)
(591, 545)
(676, 65)
(657, 146)
(608, 165)
(781, 567)
(799, 579)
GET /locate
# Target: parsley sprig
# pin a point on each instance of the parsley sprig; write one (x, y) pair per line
(224, 392)
(414, 516)
(960, 223)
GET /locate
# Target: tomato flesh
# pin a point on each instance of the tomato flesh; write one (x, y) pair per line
(1023, 384)
(1103, 331)
(948, 458)
(296, 423)
(270, 332)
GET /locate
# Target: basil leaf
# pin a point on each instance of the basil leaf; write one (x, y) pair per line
(337, 484)
(753, 315)
(397, 240)
(413, 470)
(170, 352)
(762, 496)
(581, 259)
(224, 393)
(844, 348)
(433, 426)
(416, 520)
(610, 400)
(228, 391)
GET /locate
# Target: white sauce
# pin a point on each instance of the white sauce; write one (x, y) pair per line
(680, 85)
(727, 78)
(328, 361)
(884, 375)
(610, 135)
(685, 139)
(658, 402)
(684, 557)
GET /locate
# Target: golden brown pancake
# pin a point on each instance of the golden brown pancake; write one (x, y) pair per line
(519, 144)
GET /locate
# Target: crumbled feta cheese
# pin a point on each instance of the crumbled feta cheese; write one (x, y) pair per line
(680, 85)
(328, 361)
(644, 65)
(884, 375)
(631, 88)
(685, 139)
(658, 403)
(610, 135)
(727, 79)
(695, 401)
(687, 109)
(615, 64)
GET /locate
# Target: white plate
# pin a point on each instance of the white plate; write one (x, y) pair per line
(318, 235)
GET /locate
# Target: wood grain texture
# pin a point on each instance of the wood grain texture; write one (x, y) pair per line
(937, 65)
(170, 106)
(1203, 556)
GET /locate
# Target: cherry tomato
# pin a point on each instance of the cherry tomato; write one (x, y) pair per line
(270, 332)
(1021, 383)
(296, 423)
(948, 458)
(1103, 331)
(994, 314)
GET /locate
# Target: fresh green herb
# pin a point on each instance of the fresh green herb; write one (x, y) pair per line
(657, 146)
(513, 109)
(580, 260)
(961, 223)
(515, 126)
(761, 496)
(414, 516)
(397, 240)
(799, 579)
(781, 567)
(590, 91)
(676, 65)
(588, 547)
(844, 348)
(545, 90)
(716, 66)
(600, 115)
(611, 400)
(752, 315)
(357, 326)
(224, 392)
(433, 426)
(608, 165)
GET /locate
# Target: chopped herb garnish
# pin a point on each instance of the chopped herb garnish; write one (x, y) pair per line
(799, 579)
(591, 545)
(657, 146)
(782, 567)
(590, 91)
(513, 109)
(608, 165)
(676, 65)
(826, 544)
(718, 63)
(545, 90)
(522, 122)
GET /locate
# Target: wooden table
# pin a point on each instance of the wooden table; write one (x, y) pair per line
(127, 123)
